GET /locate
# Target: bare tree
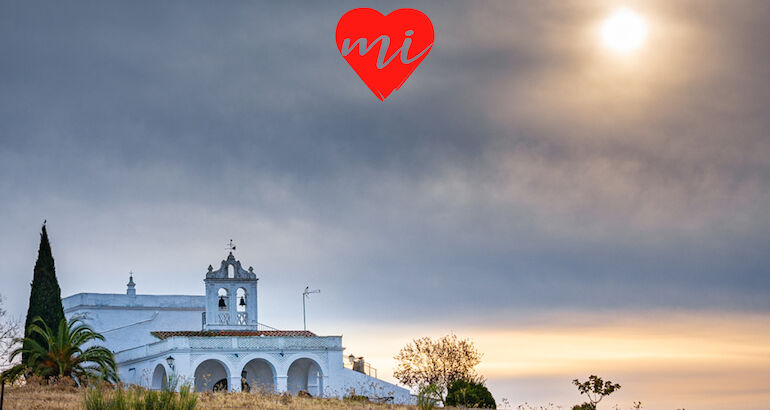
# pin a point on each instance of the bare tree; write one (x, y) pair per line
(439, 362)
(10, 332)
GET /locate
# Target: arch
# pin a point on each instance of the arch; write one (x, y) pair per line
(222, 295)
(230, 271)
(240, 298)
(159, 378)
(211, 375)
(305, 374)
(293, 357)
(258, 375)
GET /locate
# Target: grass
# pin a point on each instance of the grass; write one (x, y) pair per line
(100, 398)
(62, 396)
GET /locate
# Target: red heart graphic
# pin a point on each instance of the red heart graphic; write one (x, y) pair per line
(384, 50)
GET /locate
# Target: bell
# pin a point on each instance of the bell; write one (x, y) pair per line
(242, 302)
(222, 303)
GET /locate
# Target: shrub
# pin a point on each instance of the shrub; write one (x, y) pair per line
(357, 397)
(188, 399)
(468, 393)
(596, 389)
(97, 398)
(429, 396)
(94, 399)
(63, 354)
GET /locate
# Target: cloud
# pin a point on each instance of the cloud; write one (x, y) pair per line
(520, 166)
(708, 360)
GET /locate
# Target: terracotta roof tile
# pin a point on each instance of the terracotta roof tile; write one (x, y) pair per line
(212, 333)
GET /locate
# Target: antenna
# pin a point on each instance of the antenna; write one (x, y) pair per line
(306, 294)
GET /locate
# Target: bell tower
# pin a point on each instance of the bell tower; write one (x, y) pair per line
(231, 296)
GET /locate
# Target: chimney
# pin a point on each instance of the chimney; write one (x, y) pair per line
(358, 365)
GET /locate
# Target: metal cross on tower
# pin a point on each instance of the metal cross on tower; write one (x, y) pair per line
(230, 246)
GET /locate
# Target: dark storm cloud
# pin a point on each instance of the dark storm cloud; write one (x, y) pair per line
(516, 168)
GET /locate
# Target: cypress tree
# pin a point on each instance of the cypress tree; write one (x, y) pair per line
(45, 297)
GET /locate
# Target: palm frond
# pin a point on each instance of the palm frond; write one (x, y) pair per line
(62, 353)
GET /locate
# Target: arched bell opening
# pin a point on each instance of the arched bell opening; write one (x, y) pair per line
(222, 295)
(240, 296)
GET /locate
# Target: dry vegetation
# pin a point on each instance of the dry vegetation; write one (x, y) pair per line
(247, 400)
(61, 396)
(42, 396)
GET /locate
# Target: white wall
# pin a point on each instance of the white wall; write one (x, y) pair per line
(347, 381)
(127, 322)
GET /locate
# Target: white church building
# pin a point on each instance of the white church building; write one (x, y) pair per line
(215, 342)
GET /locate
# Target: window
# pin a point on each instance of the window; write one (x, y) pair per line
(230, 271)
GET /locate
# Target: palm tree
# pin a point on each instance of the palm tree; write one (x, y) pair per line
(63, 354)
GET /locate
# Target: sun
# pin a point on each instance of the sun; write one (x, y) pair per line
(624, 30)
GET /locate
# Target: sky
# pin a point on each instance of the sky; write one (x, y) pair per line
(571, 210)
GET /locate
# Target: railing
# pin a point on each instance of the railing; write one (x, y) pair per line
(262, 326)
(366, 369)
(290, 343)
(142, 351)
